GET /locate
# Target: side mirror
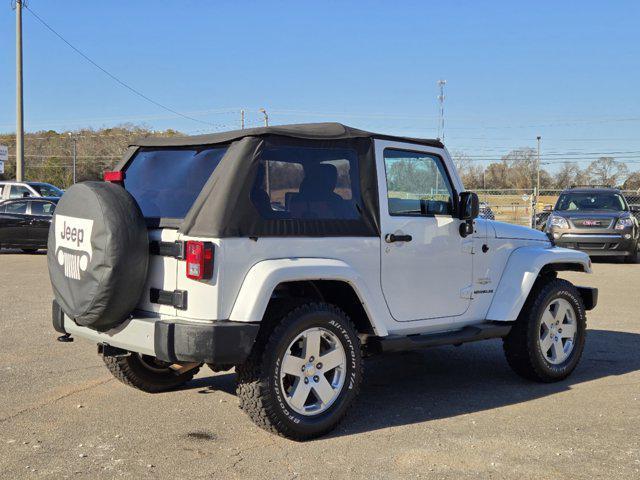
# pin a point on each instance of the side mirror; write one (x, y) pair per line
(26, 195)
(469, 206)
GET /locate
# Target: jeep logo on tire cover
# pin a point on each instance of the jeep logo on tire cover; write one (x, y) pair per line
(73, 244)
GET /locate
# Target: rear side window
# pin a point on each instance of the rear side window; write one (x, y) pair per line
(42, 208)
(307, 183)
(165, 182)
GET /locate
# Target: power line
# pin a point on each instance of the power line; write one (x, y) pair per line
(109, 74)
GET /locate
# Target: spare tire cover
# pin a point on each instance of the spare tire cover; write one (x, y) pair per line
(98, 253)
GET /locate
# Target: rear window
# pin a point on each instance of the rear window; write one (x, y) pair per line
(165, 182)
(46, 190)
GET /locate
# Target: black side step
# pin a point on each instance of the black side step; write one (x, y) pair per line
(473, 333)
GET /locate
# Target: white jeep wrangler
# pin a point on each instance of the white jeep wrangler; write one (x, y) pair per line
(290, 253)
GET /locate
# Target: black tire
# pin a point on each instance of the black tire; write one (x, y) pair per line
(29, 250)
(259, 391)
(633, 257)
(132, 370)
(522, 348)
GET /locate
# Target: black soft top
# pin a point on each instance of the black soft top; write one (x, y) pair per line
(307, 131)
(224, 207)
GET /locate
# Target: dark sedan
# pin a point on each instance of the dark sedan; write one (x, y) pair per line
(597, 221)
(24, 223)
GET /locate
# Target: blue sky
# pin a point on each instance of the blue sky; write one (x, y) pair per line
(569, 71)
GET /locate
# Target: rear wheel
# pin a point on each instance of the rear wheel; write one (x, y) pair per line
(300, 381)
(547, 340)
(147, 373)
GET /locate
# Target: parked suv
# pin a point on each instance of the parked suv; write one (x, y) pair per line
(597, 221)
(290, 253)
(11, 189)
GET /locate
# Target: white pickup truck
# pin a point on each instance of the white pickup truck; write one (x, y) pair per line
(292, 252)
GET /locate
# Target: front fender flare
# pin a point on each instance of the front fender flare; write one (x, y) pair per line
(520, 273)
(261, 280)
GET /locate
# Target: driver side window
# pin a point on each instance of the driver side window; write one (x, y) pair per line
(417, 184)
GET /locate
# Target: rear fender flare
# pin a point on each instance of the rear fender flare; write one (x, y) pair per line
(262, 279)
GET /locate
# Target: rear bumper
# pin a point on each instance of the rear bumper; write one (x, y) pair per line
(171, 340)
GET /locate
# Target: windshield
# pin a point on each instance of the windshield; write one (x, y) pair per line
(165, 182)
(586, 202)
(46, 189)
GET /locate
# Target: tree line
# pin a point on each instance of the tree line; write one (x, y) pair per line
(49, 154)
(518, 170)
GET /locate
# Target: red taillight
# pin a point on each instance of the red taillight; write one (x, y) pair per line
(114, 177)
(199, 256)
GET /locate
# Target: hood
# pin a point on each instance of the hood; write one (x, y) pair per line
(507, 230)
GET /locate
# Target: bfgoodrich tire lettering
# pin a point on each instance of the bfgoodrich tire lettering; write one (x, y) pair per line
(259, 383)
(522, 346)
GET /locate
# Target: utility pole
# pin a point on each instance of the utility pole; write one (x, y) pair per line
(242, 119)
(538, 171)
(74, 139)
(441, 84)
(19, 103)
(266, 117)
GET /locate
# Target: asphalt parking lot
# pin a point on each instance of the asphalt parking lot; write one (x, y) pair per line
(443, 413)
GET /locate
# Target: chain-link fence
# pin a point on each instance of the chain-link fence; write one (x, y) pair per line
(519, 206)
(512, 206)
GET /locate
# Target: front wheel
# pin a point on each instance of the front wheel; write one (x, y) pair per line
(548, 338)
(634, 256)
(300, 381)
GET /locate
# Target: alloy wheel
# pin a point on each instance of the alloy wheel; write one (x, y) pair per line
(312, 371)
(558, 331)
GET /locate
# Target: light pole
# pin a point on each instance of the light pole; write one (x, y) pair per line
(19, 102)
(242, 119)
(441, 84)
(266, 116)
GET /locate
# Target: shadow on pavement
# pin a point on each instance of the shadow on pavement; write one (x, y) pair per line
(447, 382)
(419, 386)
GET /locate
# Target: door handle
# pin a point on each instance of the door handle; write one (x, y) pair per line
(391, 237)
